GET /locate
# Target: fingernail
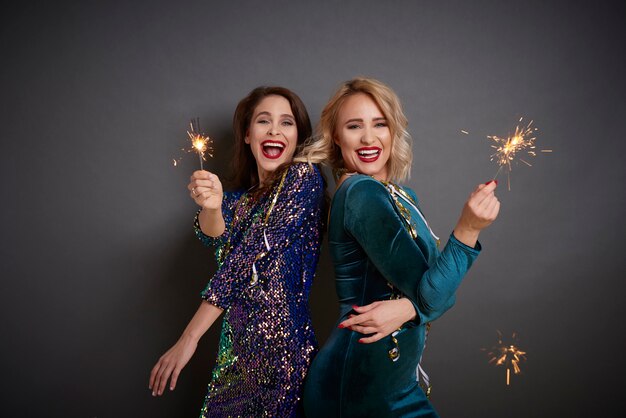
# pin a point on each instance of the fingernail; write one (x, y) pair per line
(496, 182)
(354, 307)
(153, 393)
(490, 181)
(361, 340)
(341, 326)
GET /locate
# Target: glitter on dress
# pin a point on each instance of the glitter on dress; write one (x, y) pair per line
(267, 341)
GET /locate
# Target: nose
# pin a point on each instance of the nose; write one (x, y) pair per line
(273, 130)
(368, 137)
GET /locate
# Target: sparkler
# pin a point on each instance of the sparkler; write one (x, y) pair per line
(514, 147)
(200, 143)
(507, 355)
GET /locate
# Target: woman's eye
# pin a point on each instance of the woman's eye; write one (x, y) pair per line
(263, 121)
(288, 123)
(381, 125)
(353, 126)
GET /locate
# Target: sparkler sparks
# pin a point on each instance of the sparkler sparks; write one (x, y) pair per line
(200, 143)
(514, 147)
(507, 355)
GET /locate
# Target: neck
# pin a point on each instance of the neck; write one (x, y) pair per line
(345, 175)
(263, 175)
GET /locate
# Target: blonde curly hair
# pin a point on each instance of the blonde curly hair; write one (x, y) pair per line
(322, 148)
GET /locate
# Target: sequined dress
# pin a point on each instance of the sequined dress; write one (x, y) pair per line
(380, 252)
(267, 341)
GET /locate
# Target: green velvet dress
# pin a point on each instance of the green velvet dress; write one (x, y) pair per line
(377, 258)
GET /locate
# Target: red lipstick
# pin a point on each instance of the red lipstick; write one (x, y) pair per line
(272, 149)
(368, 154)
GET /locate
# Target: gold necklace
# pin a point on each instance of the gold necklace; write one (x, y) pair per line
(243, 200)
(255, 275)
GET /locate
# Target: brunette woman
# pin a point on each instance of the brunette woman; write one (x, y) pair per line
(267, 239)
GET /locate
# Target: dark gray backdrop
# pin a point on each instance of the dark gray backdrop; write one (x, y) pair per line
(100, 271)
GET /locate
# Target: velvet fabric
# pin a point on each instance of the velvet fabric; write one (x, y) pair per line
(370, 248)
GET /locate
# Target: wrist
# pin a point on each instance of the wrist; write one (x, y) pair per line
(211, 211)
(466, 234)
(410, 312)
(211, 222)
(189, 337)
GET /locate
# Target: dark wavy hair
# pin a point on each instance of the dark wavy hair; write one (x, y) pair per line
(245, 173)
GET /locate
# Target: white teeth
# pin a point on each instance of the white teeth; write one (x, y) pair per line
(274, 144)
(368, 152)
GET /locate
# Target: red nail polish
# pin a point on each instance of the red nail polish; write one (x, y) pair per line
(361, 340)
(354, 307)
(496, 182)
(341, 326)
(487, 184)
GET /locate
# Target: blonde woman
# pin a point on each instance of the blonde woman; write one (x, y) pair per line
(382, 249)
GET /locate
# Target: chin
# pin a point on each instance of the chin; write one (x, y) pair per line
(368, 171)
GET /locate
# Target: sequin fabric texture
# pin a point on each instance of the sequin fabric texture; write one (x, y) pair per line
(267, 341)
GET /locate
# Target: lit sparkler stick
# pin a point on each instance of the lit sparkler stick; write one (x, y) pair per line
(514, 147)
(200, 143)
(507, 355)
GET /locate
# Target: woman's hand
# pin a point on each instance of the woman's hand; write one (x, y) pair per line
(380, 318)
(205, 189)
(171, 363)
(480, 210)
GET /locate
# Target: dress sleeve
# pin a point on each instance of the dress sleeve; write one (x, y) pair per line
(299, 198)
(371, 218)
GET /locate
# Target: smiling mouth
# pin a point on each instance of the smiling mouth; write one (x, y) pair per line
(272, 149)
(368, 155)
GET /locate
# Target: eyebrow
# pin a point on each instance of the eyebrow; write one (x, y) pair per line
(361, 120)
(284, 115)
